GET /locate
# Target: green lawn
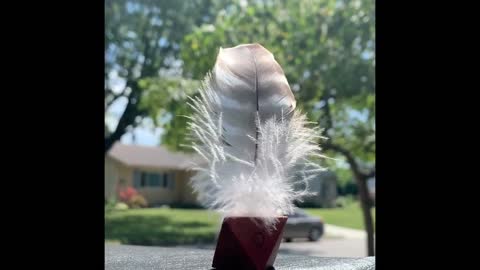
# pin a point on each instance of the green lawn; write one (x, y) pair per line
(160, 226)
(156, 226)
(349, 216)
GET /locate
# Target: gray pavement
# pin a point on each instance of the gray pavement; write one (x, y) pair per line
(124, 257)
(327, 247)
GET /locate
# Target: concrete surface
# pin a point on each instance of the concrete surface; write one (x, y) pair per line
(327, 247)
(333, 231)
(337, 242)
(122, 257)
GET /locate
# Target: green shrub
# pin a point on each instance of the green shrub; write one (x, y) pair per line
(121, 206)
(109, 205)
(344, 201)
(137, 201)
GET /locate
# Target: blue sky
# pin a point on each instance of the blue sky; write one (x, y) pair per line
(143, 136)
(148, 134)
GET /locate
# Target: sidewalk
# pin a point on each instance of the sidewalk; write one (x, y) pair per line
(332, 231)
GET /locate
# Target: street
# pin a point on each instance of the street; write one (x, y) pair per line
(327, 247)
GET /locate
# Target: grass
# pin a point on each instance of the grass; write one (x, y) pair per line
(350, 216)
(155, 226)
(162, 226)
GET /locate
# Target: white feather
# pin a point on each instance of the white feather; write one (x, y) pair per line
(235, 183)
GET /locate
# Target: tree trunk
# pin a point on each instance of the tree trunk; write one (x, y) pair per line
(109, 141)
(365, 201)
(366, 206)
(127, 118)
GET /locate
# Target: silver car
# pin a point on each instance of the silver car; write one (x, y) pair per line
(302, 225)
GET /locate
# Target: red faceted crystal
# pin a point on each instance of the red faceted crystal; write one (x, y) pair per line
(245, 243)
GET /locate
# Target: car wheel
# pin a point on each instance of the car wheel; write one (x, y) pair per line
(314, 234)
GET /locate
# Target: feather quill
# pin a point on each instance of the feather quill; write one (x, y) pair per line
(256, 145)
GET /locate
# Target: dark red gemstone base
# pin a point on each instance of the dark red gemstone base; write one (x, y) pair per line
(245, 243)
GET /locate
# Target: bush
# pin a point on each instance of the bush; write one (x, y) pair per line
(343, 201)
(121, 206)
(109, 205)
(137, 201)
(131, 198)
(126, 194)
(340, 202)
(347, 189)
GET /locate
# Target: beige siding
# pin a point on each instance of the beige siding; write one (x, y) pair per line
(111, 175)
(114, 172)
(125, 173)
(187, 195)
(157, 195)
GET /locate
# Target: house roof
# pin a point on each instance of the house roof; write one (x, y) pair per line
(152, 157)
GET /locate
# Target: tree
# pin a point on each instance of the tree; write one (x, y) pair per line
(156, 52)
(327, 51)
(142, 42)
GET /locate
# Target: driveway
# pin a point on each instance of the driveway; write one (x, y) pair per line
(333, 231)
(327, 247)
(337, 242)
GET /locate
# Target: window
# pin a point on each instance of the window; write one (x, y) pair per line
(153, 180)
(149, 179)
(143, 180)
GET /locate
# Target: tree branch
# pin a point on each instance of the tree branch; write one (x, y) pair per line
(131, 110)
(330, 145)
(361, 178)
(348, 156)
(128, 116)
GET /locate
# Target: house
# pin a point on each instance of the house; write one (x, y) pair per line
(325, 187)
(159, 175)
(162, 176)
